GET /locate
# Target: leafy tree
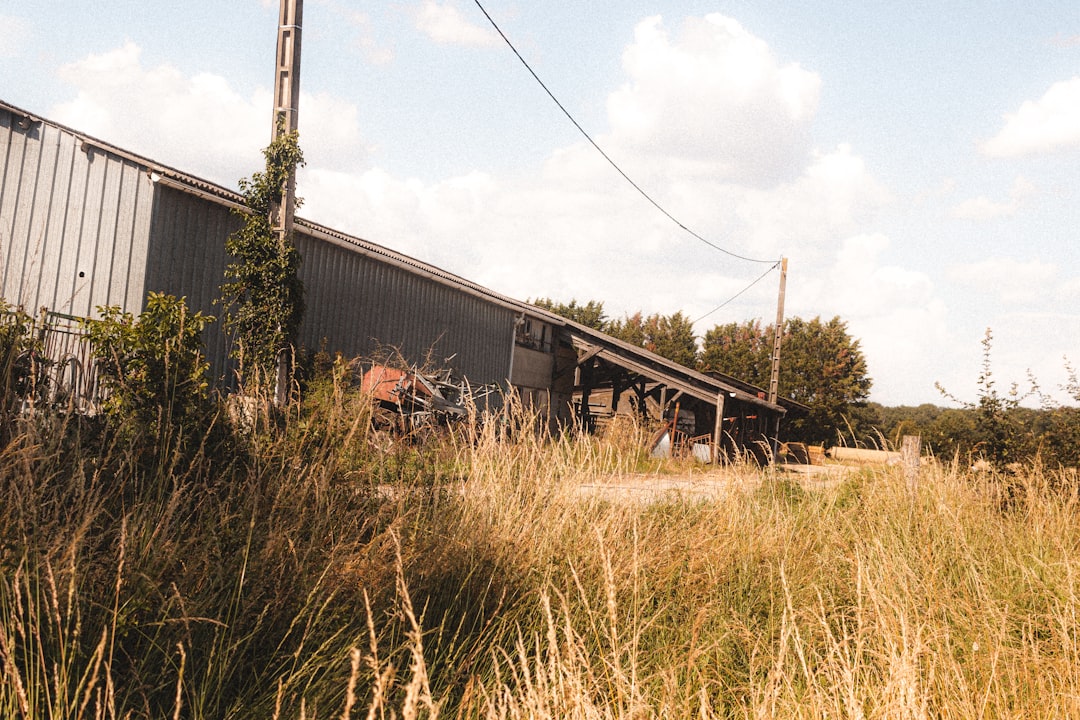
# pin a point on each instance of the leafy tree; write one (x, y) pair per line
(1055, 428)
(741, 350)
(590, 314)
(262, 294)
(630, 329)
(952, 433)
(821, 366)
(670, 336)
(945, 432)
(1000, 435)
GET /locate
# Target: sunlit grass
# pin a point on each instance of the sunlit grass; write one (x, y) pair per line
(301, 570)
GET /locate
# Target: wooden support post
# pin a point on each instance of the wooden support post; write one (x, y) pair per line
(585, 414)
(618, 384)
(643, 406)
(718, 429)
(910, 451)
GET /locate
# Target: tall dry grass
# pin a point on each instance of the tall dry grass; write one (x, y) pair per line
(297, 570)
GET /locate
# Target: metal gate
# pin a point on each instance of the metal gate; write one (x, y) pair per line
(56, 367)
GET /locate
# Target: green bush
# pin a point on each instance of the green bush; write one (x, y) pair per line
(152, 367)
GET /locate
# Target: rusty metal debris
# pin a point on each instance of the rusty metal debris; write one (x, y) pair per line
(412, 402)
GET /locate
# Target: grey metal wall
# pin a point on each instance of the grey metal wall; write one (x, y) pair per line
(360, 304)
(73, 221)
(81, 227)
(355, 304)
(186, 258)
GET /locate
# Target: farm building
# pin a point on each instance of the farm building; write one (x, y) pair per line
(85, 224)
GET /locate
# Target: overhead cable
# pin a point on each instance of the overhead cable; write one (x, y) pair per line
(604, 154)
(732, 298)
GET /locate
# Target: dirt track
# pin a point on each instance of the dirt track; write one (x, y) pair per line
(709, 484)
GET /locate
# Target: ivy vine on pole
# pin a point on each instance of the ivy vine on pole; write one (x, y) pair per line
(263, 296)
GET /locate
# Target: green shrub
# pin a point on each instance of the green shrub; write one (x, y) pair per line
(152, 367)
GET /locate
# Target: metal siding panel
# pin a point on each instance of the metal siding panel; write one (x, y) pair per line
(324, 319)
(204, 280)
(33, 266)
(186, 257)
(313, 274)
(348, 307)
(11, 192)
(71, 233)
(379, 290)
(328, 320)
(54, 240)
(325, 323)
(190, 224)
(36, 175)
(308, 275)
(338, 311)
(89, 217)
(132, 252)
(120, 269)
(187, 253)
(105, 240)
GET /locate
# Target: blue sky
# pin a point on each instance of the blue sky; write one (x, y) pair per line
(918, 165)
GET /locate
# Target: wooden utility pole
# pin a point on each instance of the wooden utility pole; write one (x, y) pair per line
(778, 338)
(286, 120)
(778, 335)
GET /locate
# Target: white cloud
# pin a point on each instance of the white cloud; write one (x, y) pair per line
(982, 208)
(364, 37)
(1012, 281)
(1046, 125)
(834, 194)
(13, 33)
(716, 95)
(895, 313)
(198, 123)
(444, 23)
(1065, 41)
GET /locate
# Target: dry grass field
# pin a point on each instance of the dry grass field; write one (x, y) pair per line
(273, 576)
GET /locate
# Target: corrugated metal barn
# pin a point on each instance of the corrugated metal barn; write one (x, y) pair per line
(85, 224)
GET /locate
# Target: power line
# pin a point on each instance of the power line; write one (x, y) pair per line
(605, 155)
(732, 298)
